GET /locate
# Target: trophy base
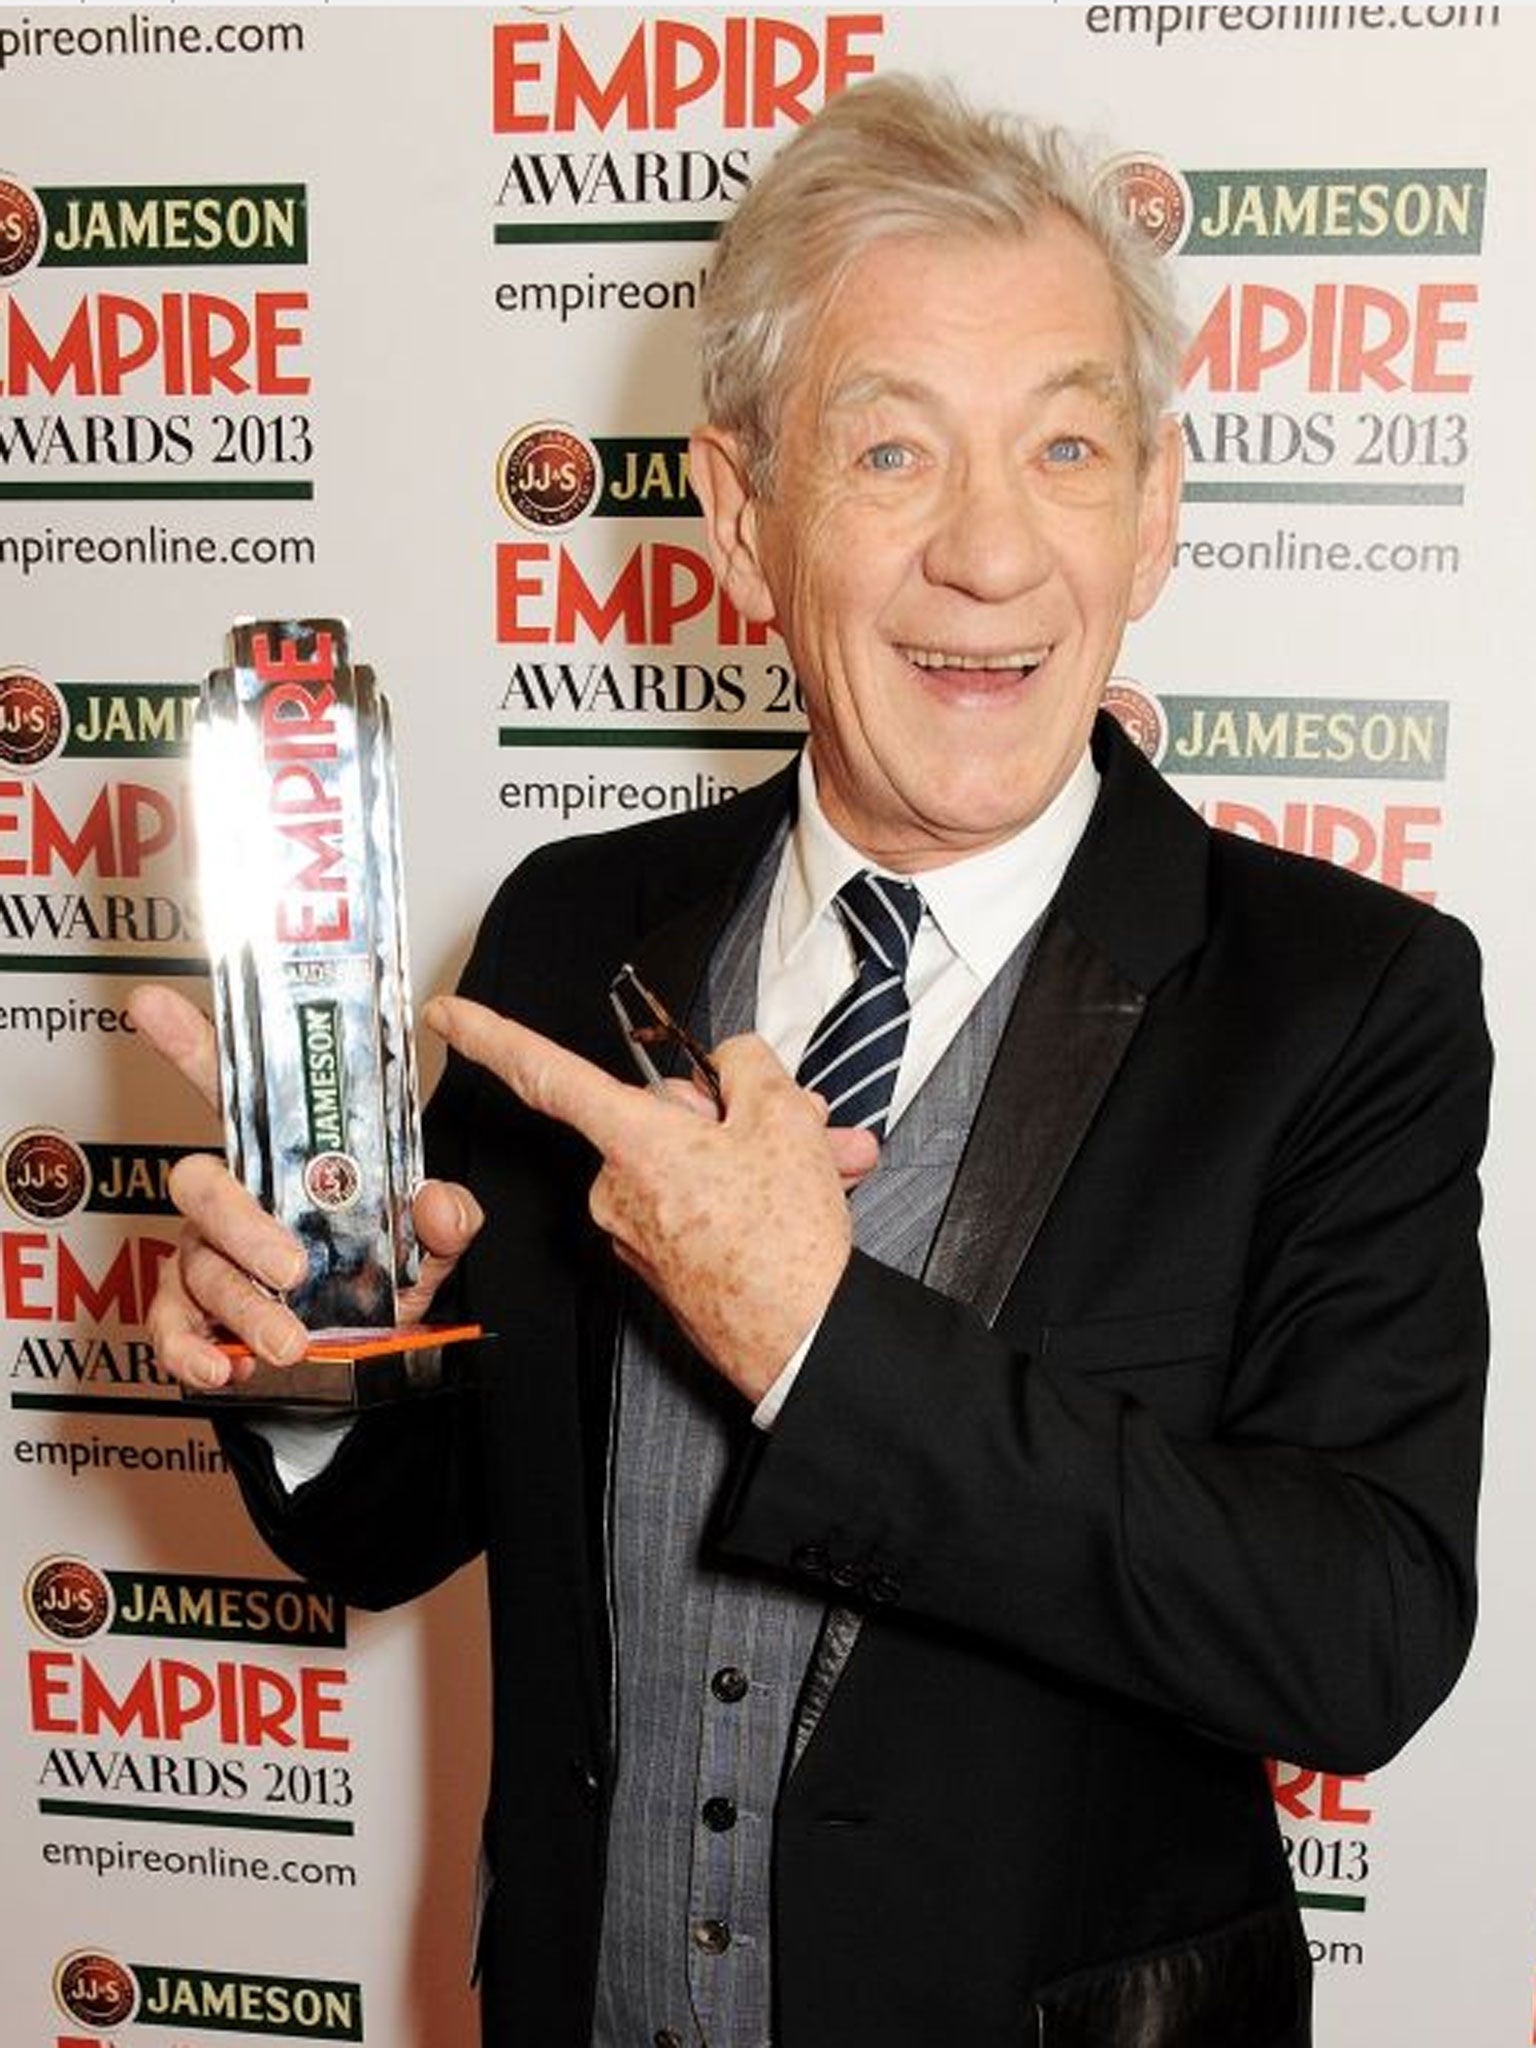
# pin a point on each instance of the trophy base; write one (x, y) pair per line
(342, 1369)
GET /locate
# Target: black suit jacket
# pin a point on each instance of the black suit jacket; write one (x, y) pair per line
(1168, 1462)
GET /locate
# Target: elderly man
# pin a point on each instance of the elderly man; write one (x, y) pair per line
(1052, 1381)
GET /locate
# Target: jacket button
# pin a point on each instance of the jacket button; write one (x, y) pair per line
(585, 1778)
(846, 1576)
(713, 1936)
(811, 1559)
(729, 1684)
(718, 1815)
(881, 1586)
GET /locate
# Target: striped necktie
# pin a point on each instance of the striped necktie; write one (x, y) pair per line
(855, 1051)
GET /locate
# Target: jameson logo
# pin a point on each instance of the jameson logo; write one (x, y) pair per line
(99, 1991)
(45, 1177)
(129, 721)
(71, 1600)
(1330, 212)
(320, 1034)
(22, 228)
(549, 476)
(646, 479)
(95, 226)
(41, 721)
(1363, 739)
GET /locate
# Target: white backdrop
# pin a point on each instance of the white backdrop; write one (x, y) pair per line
(386, 313)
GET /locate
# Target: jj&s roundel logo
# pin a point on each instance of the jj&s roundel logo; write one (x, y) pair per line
(33, 721)
(44, 1176)
(23, 228)
(1141, 716)
(1151, 195)
(332, 1180)
(67, 1598)
(547, 475)
(95, 1989)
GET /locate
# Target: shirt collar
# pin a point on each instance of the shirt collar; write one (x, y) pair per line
(983, 904)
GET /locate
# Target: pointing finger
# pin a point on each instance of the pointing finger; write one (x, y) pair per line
(540, 1073)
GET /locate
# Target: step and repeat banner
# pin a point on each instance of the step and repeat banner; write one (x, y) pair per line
(387, 313)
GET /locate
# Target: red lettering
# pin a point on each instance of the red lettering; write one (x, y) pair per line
(762, 70)
(1434, 329)
(127, 337)
(1351, 337)
(303, 923)
(296, 723)
(1388, 848)
(186, 1695)
(508, 73)
(267, 1703)
(45, 1683)
(322, 837)
(23, 1261)
(576, 88)
(252, 1705)
(185, 344)
(320, 1691)
(125, 824)
(677, 83)
(1292, 1785)
(1331, 1806)
(50, 840)
(73, 362)
(844, 62)
(10, 822)
(577, 607)
(773, 95)
(42, 1281)
(1364, 360)
(682, 584)
(113, 1293)
(275, 336)
(512, 586)
(310, 794)
(137, 1712)
(288, 665)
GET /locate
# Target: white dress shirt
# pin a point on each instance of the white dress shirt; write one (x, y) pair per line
(975, 912)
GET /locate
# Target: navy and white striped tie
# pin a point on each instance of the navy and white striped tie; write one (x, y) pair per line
(855, 1051)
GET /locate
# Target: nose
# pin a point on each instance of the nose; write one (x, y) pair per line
(986, 540)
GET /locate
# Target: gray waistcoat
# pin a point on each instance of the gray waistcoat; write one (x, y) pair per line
(712, 1661)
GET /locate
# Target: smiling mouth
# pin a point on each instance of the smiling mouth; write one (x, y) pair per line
(977, 669)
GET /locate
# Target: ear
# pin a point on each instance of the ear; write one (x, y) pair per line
(1157, 518)
(718, 473)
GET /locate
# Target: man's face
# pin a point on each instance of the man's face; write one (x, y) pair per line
(958, 530)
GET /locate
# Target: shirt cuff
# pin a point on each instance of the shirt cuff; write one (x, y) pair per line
(302, 1447)
(766, 1413)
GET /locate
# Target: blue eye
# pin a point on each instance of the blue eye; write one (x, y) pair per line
(887, 456)
(1067, 450)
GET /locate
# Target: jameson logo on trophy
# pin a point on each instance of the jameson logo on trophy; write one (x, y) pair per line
(299, 851)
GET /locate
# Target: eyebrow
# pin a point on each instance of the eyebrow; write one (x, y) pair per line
(867, 387)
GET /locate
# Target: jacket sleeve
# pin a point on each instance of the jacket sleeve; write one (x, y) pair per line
(1297, 1579)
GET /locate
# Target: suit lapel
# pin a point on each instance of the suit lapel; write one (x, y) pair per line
(1131, 907)
(1068, 1032)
